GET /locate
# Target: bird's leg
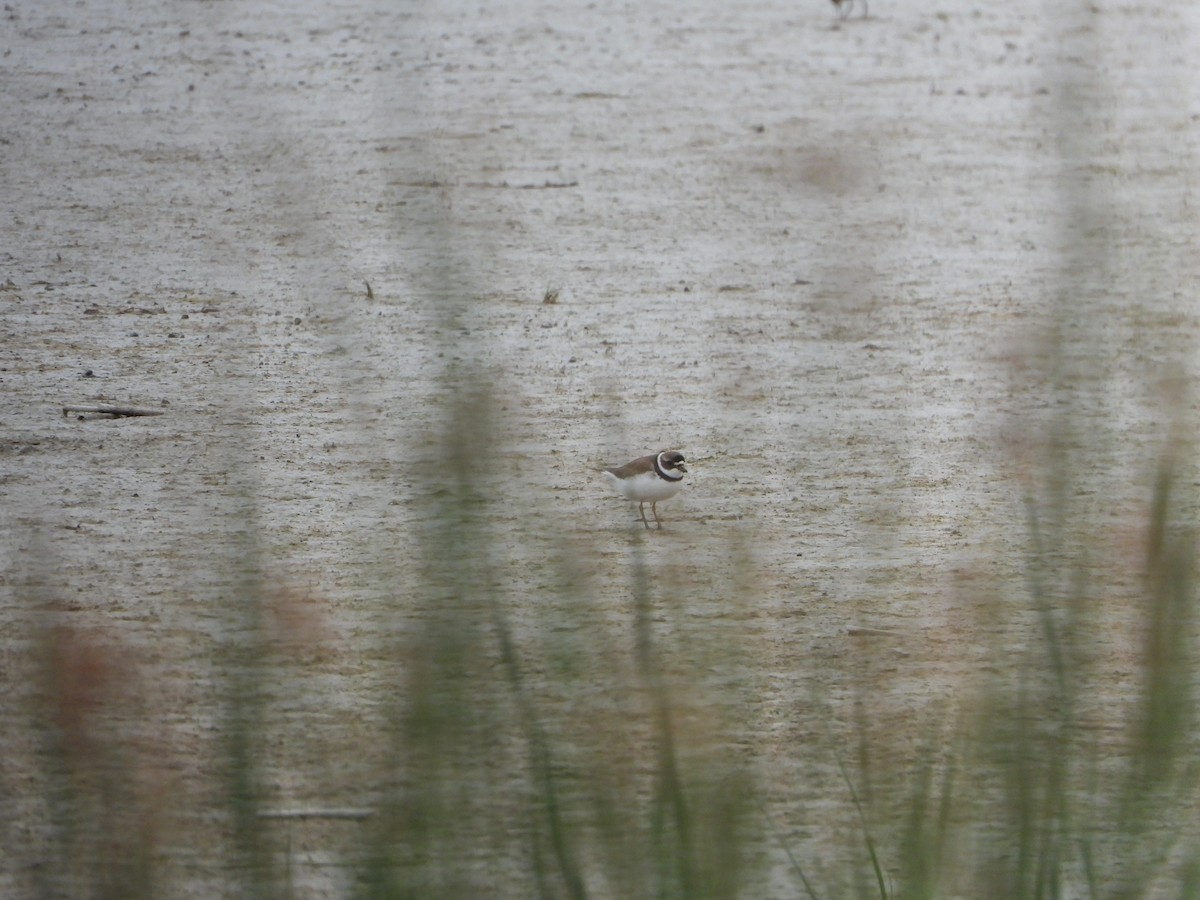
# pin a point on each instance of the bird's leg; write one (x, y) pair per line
(654, 509)
(642, 511)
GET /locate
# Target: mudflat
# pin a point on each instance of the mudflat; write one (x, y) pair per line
(890, 283)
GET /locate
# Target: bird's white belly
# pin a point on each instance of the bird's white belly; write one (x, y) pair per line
(645, 487)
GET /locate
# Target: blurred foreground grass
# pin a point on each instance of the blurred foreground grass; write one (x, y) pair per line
(554, 759)
(561, 762)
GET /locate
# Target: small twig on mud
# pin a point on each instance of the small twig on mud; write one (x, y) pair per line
(112, 411)
(356, 814)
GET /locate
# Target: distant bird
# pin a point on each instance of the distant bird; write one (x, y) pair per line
(844, 7)
(649, 479)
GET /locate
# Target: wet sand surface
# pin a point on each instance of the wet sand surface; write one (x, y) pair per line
(858, 272)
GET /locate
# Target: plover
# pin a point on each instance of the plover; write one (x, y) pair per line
(648, 480)
(844, 7)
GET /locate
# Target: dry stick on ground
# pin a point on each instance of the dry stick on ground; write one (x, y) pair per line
(860, 631)
(355, 814)
(112, 410)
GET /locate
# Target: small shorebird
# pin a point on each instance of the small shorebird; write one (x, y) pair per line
(844, 7)
(648, 480)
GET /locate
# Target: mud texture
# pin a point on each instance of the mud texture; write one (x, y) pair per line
(864, 274)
